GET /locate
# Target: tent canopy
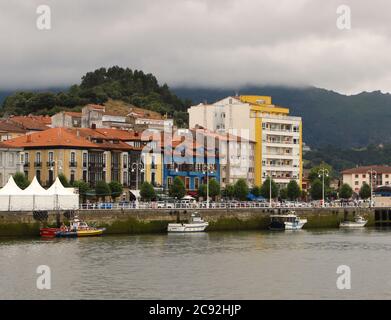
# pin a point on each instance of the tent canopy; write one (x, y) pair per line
(10, 188)
(35, 197)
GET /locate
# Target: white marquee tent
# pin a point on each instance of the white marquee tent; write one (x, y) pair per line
(34, 197)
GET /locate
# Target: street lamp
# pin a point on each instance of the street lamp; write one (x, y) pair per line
(372, 174)
(207, 171)
(137, 167)
(322, 173)
(270, 188)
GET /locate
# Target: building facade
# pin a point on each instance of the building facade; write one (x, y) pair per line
(193, 162)
(377, 175)
(10, 162)
(277, 136)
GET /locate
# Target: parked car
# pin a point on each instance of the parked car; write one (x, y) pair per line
(165, 204)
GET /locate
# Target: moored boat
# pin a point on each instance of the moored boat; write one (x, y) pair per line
(48, 232)
(77, 228)
(290, 221)
(196, 224)
(359, 222)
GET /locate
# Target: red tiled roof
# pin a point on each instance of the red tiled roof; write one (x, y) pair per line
(31, 122)
(365, 169)
(6, 126)
(65, 137)
(123, 135)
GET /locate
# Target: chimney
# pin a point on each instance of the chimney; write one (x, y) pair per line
(28, 138)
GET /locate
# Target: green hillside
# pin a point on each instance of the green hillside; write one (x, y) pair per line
(132, 87)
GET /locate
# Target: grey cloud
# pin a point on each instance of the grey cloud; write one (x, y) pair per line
(199, 42)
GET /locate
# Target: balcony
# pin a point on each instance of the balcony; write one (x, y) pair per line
(153, 166)
(26, 164)
(73, 164)
(37, 164)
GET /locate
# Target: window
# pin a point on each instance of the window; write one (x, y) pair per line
(356, 176)
(84, 175)
(153, 178)
(169, 181)
(125, 178)
(197, 183)
(187, 183)
(84, 159)
(386, 175)
(11, 159)
(26, 158)
(72, 179)
(38, 175)
(356, 183)
(38, 157)
(73, 157)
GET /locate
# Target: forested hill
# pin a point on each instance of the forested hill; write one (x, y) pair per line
(329, 118)
(132, 87)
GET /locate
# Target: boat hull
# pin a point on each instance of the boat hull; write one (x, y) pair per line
(295, 225)
(352, 224)
(90, 233)
(187, 227)
(48, 232)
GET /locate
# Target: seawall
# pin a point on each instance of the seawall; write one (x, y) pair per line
(136, 221)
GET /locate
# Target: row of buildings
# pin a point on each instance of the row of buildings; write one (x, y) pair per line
(237, 137)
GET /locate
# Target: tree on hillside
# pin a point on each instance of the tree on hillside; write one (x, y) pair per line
(132, 87)
(345, 192)
(315, 173)
(241, 189)
(293, 190)
(365, 191)
(177, 189)
(147, 192)
(21, 180)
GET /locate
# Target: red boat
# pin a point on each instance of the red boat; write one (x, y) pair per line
(48, 232)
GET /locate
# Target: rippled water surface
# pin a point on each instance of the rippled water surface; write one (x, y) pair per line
(218, 265)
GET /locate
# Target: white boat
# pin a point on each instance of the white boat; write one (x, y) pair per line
(288, 221)
(196, 224)
(359, 222)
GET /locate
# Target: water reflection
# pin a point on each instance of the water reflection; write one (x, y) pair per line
(227, 265)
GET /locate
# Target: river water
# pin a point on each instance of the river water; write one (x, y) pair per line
(215, 265)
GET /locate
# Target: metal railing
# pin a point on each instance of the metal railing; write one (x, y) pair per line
(215, 205)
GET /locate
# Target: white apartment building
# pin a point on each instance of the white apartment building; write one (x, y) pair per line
(277, 136)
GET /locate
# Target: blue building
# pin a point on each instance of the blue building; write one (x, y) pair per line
(192, 162)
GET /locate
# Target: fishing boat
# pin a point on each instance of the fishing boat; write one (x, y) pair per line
(290, 221)
(359, 222)
(196, 224)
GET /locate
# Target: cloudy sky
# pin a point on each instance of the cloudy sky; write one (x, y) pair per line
(207, 43)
